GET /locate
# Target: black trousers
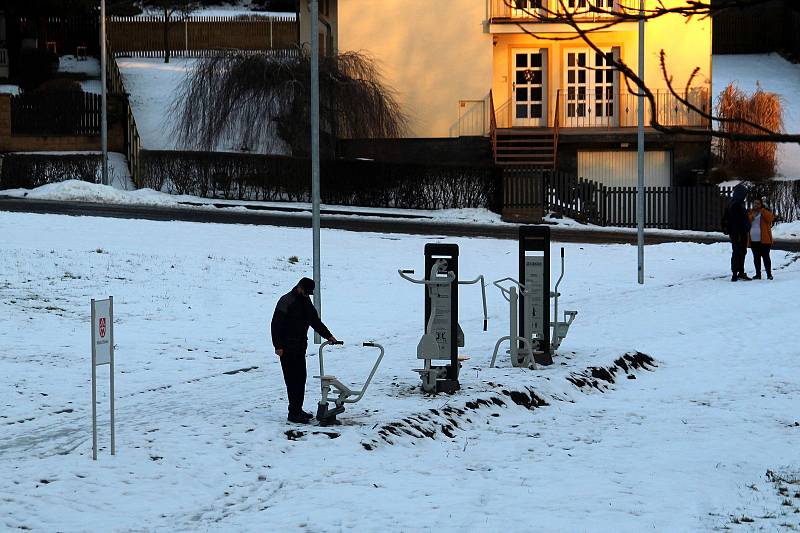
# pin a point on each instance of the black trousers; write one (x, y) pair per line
(738, 253)
(761, 251)
(293, 363)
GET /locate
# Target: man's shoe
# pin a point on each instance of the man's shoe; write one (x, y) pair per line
(745, 277)
(757, 276)
(769, 276)
(298, 419)
(306, 415)
(734, 278)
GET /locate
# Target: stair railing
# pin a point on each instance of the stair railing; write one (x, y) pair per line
(556, 124)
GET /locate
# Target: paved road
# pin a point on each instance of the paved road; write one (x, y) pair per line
(376, 224)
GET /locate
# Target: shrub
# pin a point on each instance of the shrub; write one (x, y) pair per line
(59, 85)
(28, 171)
(343, 182)
(749, 160)
(37, 65)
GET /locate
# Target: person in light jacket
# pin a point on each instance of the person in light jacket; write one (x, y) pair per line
(761, 237)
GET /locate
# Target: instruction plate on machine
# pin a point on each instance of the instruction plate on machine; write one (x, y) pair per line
(441, 320)
(534, 284)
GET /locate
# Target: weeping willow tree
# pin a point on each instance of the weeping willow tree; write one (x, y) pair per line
(252, 100)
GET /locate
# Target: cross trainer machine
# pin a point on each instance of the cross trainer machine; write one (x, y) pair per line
(533, 302)
(327, 415)
(442, 335)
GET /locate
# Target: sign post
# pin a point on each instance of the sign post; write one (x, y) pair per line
(102, 354)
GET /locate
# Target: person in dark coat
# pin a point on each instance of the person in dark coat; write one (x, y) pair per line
(293, 315)
(738, 229)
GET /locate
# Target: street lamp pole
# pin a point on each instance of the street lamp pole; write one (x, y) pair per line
(315, 194)
(103, 92)
(640, 159)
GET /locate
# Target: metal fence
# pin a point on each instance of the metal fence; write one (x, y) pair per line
(681, 208)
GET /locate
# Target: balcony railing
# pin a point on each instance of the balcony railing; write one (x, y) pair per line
(583, 110)
(547, 10)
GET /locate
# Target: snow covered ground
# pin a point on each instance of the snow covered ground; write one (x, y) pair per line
(774, 74)
(81, 191)
(151, 84)
(201, 432)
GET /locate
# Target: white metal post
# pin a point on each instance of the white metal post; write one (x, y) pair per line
(94, 390)
(640, 207)
(111, 370)
(103, 92)
(315, 194)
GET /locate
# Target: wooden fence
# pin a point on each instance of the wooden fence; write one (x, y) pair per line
(56, 113)
(199, 36)
(773, 26)
(681, 208)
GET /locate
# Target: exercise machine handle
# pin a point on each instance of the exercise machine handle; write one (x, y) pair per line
(374, 368)
(483, 294)
(507, 292)
(446, 281)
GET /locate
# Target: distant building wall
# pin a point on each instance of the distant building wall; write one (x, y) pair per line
(434, 54)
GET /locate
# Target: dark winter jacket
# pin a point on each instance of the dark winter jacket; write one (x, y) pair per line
(293, 315)
(738, 223)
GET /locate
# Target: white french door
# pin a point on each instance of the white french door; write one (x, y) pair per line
(529, 87)
(591, 85)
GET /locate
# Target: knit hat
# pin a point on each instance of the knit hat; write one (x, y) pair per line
(307, 285)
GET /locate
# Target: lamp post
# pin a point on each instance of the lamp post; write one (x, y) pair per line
(103, 93)
(640, 155)
(315, 156)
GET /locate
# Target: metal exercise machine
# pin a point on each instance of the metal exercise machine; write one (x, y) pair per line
(327, 415)
(533, 302)
(442, 335)
(521, 356)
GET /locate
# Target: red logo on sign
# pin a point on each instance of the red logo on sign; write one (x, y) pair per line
(102, 327)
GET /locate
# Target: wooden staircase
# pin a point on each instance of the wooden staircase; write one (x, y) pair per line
(531, 147)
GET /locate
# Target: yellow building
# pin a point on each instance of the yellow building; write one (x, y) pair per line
(501, 79)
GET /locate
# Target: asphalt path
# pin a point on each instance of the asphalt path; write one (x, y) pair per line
(365, 222)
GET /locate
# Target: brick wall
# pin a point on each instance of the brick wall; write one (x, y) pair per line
(47, 143)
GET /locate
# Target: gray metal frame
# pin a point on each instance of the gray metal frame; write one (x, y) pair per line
(523, 357)
(428, 348)
(325, 415)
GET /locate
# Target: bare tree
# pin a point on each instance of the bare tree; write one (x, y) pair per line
(168, 9)
(700, 9)
(249, 100)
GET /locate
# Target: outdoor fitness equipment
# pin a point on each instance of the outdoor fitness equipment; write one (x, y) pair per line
(520, 356)
(534, 304)
(325, 415)
(441, 317)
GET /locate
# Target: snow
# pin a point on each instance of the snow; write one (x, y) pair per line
(9, 89)
(118, 173)
(682, 448)
(151, 84)
(91, 86)
(90, 66)
(774, 74)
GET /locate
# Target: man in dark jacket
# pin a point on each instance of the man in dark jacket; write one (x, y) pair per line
(738, 227)
(294, 313)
